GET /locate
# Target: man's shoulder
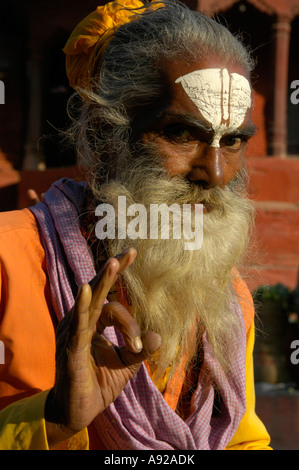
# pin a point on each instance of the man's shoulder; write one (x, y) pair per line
(20, 240)
(18, 231)
(13, 221)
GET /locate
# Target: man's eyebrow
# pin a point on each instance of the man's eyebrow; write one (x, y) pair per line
(247, 130)
(189, 119)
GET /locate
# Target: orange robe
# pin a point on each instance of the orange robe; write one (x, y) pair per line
(27, 330)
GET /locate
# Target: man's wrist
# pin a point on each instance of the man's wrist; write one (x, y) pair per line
(56, 431)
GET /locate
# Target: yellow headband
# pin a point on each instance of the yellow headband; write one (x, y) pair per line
(85, 47)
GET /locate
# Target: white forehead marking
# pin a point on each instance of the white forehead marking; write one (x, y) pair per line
(222, 98)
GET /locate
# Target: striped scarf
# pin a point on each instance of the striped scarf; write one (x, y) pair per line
(139, 418)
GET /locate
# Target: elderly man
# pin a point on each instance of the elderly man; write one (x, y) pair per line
(153, 337)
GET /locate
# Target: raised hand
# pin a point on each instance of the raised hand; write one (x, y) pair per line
(90, 371)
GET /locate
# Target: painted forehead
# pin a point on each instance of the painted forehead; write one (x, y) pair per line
(223, 98)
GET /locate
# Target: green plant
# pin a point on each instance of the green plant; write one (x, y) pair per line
(277, 293)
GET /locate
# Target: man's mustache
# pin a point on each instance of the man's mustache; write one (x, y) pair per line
(216, 197)
(143, 178)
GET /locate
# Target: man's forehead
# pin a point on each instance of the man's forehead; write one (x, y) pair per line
(175, 104)
(216, 80)
(219, 95)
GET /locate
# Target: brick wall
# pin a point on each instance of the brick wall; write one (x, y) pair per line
(274, 186)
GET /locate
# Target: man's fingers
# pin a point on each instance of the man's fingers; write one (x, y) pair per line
(115, 314)
(84, 298)
(103, 283)
(151, 343)
(32, 196)
(79, 331)
(101, 289)
(91, 297)
(108, 355)
(126, 258)
(138, 347)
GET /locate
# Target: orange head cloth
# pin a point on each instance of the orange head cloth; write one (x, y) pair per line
(85, 47)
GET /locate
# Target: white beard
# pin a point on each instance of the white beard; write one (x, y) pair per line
(182, 293)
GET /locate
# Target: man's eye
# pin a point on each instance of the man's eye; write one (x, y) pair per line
(178, 133)
(233, 142)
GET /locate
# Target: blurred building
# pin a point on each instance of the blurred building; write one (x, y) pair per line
(32, 35)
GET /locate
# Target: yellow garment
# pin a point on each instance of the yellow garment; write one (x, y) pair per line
(23, 427)
(85, 47)
(22, 424)
(30, 365)
(251, 433)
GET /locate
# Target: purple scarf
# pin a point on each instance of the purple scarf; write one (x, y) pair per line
(139, 418)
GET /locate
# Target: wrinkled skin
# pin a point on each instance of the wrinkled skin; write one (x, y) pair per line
(90, 371)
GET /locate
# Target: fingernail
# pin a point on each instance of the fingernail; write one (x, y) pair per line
(79, 292)
(138, 343)
(122, 254)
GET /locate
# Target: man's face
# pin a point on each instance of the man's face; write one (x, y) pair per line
(203, 130)
(198, 134)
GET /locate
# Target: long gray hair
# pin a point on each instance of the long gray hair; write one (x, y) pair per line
(131, 81)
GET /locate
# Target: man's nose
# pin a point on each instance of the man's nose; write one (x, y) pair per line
(209, 168)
